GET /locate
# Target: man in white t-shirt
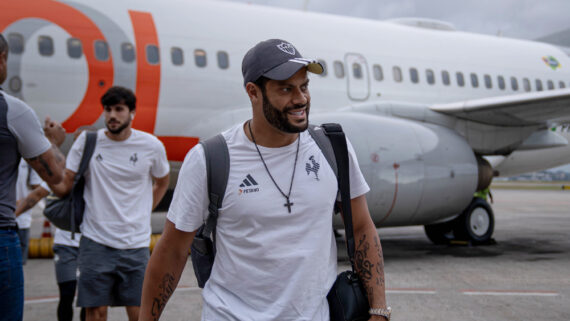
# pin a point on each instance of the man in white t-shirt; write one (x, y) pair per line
(28, 179)
(275, 246)
(127, 177)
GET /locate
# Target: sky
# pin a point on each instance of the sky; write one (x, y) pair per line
(526, 19)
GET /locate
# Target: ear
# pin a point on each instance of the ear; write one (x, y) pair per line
(254, 93)
(133, 114)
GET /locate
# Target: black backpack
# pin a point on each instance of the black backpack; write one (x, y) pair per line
(331, 140)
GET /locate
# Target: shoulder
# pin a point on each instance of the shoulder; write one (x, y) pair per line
(16, 107)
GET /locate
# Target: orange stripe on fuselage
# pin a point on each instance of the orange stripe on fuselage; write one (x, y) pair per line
(148, 76)
(78, 25)
(177, 147)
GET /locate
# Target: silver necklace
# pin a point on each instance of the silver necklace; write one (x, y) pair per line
(288, 204)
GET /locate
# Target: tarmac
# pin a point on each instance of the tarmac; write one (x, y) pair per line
(523, 275)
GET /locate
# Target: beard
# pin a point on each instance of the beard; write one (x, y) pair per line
(120, 128)
(278, 118)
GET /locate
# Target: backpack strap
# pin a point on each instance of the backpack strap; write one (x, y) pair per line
(88, 149)
(218, 170)
(338, 141)
(319, 135)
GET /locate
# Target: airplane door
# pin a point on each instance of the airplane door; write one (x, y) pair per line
(358, 80)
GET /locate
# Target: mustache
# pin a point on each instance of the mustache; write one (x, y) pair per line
(290, 108)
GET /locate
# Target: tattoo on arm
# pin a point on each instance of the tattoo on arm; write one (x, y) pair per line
(166, 288)
(43, 162)
(371, 274)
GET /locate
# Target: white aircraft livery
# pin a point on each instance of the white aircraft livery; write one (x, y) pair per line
(433, 113)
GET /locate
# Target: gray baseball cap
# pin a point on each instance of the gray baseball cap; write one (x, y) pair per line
(275, 59)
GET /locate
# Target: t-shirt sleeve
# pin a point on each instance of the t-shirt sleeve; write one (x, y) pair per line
(358, 185)
(74, 156)
(26, 127)
(189, 207)
(160, 166)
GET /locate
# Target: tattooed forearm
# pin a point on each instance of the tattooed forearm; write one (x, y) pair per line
(44, 165)
(369, 264)
(166, 287)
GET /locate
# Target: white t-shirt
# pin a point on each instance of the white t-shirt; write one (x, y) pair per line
(118, 187)
(270, 264)
(26, 178)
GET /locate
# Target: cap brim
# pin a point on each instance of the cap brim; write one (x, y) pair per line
(287, 69)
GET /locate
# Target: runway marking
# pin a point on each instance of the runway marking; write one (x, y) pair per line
(44, 299)
(510, 293)
(410, 291)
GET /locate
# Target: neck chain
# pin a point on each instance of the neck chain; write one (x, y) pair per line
(288, 204)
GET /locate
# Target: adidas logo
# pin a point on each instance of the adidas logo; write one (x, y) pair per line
(248, 186)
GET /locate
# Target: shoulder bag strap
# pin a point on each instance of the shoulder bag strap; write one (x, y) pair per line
(338, 141)
(324, 143)
(88, 149)
(218, 170)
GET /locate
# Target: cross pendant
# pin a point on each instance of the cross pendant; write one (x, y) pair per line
(288, 205)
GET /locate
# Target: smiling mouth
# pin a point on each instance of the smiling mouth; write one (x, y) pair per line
(297, 113)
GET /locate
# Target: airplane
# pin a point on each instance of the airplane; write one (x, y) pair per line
(432, 112)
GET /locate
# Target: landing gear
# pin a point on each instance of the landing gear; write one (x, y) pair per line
(475, 225)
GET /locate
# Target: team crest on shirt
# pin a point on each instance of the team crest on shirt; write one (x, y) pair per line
(313, 167)
(134, 158)
(248, 185)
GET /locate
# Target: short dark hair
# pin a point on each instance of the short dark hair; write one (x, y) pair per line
(117, 94)
(261, 82)
(3, 44)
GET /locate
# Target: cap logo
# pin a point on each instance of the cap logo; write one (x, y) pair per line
(287, 48)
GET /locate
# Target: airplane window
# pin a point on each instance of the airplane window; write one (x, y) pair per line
(488, 81)
(561, 85)
(501, 82)
(16, 43)
(338, 69)
(127, 52)
(430, 76)
(397, 73)
(474, 80)
(200, 58)
(550, 85)
(152, 54)
(15, 84)
(74, 48)
(177, 56)
(324, 64)
(526, 84)
(45, 45)
(223, 60)
(101, 50)
(514, 84)
(378, 74)
(445, 77)
(357, 70)
(538, 85)
(414, 75)
(460, 79)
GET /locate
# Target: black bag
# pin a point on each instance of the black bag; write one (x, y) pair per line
(203, 249)
(67, 213)
(347, 299)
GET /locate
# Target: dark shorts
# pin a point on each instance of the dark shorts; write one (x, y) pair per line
(65, 259)
(109, 276)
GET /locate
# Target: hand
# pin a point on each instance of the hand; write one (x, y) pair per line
(377, 318)
(54, 131)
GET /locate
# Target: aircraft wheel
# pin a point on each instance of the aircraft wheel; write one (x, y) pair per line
(440, 233)
(477, 222)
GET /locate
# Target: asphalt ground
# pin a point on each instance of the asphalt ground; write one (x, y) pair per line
(525, 275)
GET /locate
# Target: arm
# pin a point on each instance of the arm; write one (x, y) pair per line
(64, 187)
(159, 188)
(51, 164)
(32, 199)
(368, 256)
(164, 269)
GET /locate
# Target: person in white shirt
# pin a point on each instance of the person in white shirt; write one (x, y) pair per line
(28, 179)
(275, 246)
(127, 177)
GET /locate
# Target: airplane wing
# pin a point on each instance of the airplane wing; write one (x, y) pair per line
(526, 109)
